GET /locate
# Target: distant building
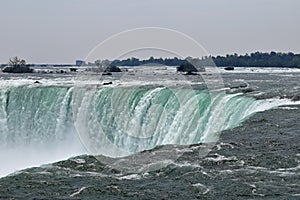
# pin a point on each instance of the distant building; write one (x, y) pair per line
(80, 63)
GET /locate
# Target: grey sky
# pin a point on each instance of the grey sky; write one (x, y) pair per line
(60, 31)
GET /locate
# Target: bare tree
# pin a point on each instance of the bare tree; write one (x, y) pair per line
(16, 62)
(17, 65)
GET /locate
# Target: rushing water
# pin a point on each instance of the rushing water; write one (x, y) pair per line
(47, 123)
(52, 121)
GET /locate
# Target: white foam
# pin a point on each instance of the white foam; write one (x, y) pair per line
(18, 159)
(130, 177)
(261, 70)
(288, 108)
(78, 192)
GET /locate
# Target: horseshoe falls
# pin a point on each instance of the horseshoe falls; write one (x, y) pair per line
(41, 124)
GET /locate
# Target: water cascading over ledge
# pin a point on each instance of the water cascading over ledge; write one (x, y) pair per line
(118, 121)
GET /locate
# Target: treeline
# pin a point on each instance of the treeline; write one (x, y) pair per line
(151, 61)
(257, 59)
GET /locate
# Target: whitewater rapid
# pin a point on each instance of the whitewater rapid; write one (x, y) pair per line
(41, 124)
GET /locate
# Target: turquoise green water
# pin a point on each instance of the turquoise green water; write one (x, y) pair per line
(118, 121)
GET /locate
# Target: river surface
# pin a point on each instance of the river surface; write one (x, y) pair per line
(151, 134)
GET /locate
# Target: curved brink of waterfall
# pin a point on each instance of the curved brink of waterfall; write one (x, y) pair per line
(118, 121)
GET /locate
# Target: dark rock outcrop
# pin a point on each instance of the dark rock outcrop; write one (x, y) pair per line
(17, 69)
(190, 73)
(112, 69)
(191, 65)
(229, 68)
(107, 83)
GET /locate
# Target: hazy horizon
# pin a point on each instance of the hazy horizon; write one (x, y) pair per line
(61, 31)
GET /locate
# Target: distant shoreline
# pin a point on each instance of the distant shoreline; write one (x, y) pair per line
(257, 59)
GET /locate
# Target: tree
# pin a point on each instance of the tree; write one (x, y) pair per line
(16, 62)
(17, 65)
